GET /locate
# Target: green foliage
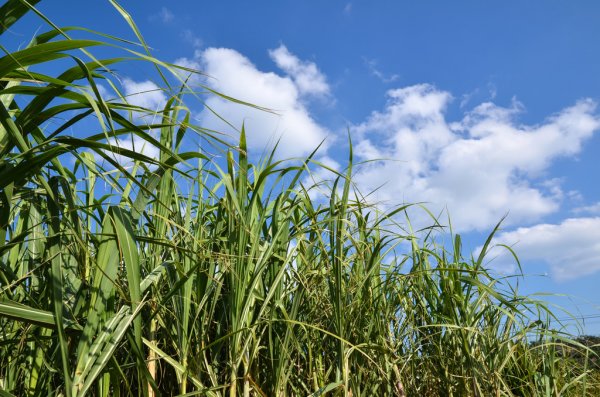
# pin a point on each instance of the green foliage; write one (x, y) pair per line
(227, 278)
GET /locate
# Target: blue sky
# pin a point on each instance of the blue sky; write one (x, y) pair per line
(485, 108)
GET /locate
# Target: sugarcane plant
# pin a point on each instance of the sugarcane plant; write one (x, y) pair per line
(211, 273)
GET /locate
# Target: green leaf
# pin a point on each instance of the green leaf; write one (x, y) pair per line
(30, 315)
(41, 53)
(12, 11)
(103, 348)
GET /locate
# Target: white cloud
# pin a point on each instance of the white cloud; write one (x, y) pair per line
(164, 15)
(191, 38)
(374, 70)
(145, 94)
(234, 75)
(188, 63)
(192, 78)
(468, 97)
(148, 95)
(593, 209)
(571, 248)
(307, 77)
(133, 143)
(480, 167)
(105, 94)
(321, 177)
(348, 8)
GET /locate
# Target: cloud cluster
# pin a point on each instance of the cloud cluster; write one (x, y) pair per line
(290, 122)
(593, 209)
(480, 167)
(191, 79)
(133, 143)
(307, 78)
(145, 94)
(571, 248)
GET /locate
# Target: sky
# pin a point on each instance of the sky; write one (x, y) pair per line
(485, 109)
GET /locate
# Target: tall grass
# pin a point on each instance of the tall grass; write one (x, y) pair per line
(185, 275)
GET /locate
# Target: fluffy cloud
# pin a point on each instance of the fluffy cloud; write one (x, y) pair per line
(234, 75)
(190, 37)
(308, 79)
(588, 209)
(480, 167)
(571, 248)
(145, 94)
(190, 78)
(319, 178)
(135, 144)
